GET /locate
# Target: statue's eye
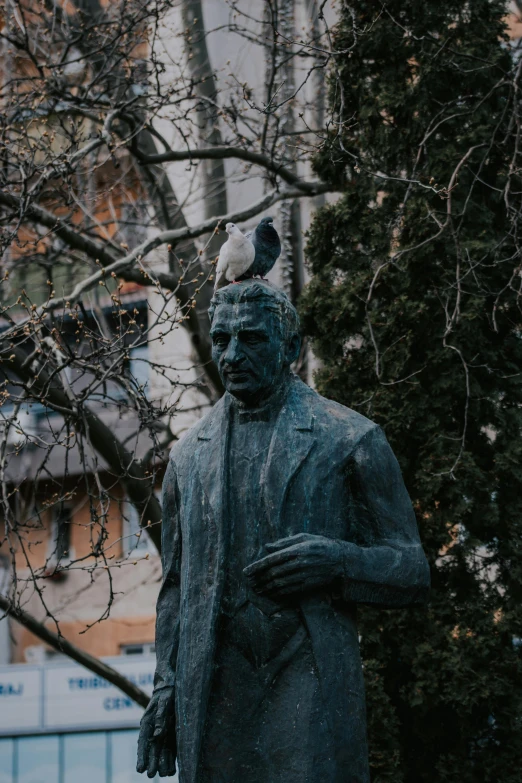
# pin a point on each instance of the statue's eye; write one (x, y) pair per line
(220, 340)
(252, 339)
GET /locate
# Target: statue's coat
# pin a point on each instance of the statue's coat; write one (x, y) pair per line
(330, 472)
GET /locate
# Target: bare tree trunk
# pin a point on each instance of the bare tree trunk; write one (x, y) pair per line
(280, 16)
(291, 259)
(318, 80)
(214, 179)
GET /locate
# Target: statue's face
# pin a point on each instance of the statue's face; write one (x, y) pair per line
(249, 350)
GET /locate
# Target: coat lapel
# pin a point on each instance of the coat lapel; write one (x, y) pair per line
(211, 455)
(292, 441)
(200, 605)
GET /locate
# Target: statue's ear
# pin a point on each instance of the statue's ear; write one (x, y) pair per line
(294, 346)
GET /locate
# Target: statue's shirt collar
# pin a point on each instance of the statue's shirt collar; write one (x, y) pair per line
(268, 412)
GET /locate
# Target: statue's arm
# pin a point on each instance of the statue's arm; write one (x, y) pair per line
(388, 566)
(382, 563)
(167, 610)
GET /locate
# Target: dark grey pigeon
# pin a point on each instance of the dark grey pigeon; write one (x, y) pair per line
(267, 246)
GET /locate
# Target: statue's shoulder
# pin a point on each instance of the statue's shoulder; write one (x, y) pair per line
(333, 418)
(184, 447)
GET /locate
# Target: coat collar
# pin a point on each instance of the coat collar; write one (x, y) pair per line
(292, 440)
(207, 466)
(210, 457)
(296, 405)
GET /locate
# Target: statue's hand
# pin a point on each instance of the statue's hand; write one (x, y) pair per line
(157, 740)
(297, 564)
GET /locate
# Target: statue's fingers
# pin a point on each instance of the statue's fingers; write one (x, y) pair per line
(291, 586)
(278, 571)
(161, 719)
(299, 538)
(289, 582)
(270, 560)
(291, 590)
(286, 591)
(167, 763)
(143, 746)
(154, 752)
(143, 760)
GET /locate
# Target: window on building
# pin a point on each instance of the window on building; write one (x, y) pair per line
(147, 648)
(38, 654)
(136, 541)
(37, 759)
(6, 760)
(139, 365)
(83, 757)
(61, 533)
(123, 755)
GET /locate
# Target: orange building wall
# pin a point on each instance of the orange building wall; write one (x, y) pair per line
(131, 619)
(104, 639)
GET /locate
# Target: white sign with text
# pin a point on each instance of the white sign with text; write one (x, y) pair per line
(65, 697)
(20, 698)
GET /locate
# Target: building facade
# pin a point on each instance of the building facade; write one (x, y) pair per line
(60, 723)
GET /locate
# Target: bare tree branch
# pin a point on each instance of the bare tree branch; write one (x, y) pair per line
(163, 238)
(139, 486)
(223, 152)
(214, 180)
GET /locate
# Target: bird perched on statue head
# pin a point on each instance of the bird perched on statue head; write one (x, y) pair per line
(235, 257)
(267, 246)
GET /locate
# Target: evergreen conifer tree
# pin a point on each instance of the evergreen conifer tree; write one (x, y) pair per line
(414, 308)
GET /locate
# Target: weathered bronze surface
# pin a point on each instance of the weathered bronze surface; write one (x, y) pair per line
(281, 512)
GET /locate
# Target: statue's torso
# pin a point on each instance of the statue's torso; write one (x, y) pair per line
(265, 692)
(256, 696)
(258, 627)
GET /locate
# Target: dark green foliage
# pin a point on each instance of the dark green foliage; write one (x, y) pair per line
(414, 310)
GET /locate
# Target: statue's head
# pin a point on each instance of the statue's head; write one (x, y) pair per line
(255, 338)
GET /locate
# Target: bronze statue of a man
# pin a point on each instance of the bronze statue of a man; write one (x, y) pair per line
(281, 512)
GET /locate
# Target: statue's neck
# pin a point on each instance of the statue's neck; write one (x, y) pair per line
(272, 401)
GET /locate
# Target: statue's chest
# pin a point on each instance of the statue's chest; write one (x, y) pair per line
(247, 458)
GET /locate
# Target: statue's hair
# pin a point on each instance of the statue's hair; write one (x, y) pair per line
(265, 294)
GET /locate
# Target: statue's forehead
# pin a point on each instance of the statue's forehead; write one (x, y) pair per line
(241, 315)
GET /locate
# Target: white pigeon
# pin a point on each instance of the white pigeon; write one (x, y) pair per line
(235, 257)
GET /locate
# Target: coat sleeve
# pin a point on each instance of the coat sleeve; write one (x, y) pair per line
(167, 610)
(387, 566)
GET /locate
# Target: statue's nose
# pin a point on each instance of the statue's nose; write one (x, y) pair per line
(233, 355)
